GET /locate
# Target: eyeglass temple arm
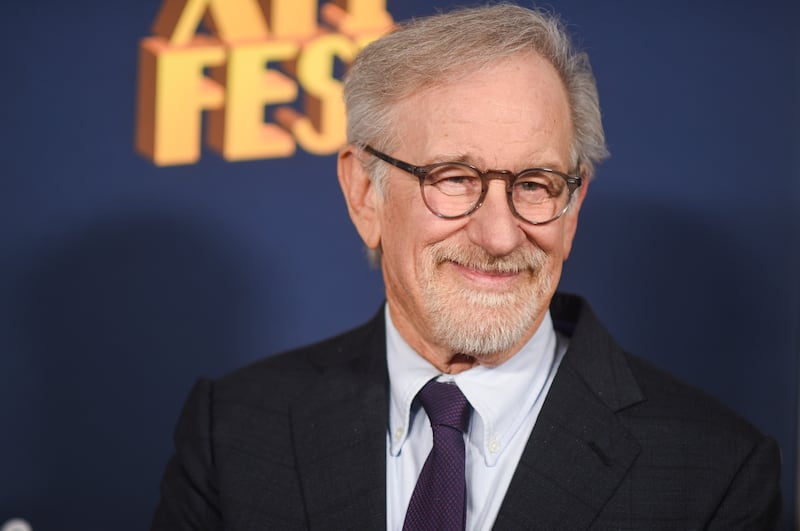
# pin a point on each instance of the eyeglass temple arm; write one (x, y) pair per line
(410, 168)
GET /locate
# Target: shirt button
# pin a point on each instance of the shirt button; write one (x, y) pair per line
(494, 446)
(398, 433)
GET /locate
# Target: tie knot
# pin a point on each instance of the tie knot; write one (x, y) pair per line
(445, 405)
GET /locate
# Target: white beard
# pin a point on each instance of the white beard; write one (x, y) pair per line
(481, 323)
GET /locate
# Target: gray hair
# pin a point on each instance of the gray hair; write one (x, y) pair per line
(439, 49)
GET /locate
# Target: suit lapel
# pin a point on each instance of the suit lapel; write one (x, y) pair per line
(340, 436)
(579, 451)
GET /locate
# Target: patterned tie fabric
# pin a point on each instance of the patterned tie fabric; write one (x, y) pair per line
(439, 498)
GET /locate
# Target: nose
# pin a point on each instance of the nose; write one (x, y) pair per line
(493, 226)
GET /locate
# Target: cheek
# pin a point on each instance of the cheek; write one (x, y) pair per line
(402, 235)
(549, 238)
(410, 226)
(568, 235)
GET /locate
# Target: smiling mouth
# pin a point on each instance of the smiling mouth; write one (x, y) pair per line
(474, 268)
(493, 279)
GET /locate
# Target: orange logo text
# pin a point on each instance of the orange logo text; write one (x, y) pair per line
(259, 56)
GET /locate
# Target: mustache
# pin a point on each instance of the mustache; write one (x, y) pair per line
(474, 257)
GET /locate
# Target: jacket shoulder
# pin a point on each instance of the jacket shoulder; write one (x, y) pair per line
(699, 464)
(673, 401)
(359, 350)
(633, 386)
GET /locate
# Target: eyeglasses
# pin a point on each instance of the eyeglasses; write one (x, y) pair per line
(453, 190)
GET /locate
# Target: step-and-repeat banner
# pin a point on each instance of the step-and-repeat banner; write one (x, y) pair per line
(171, 210)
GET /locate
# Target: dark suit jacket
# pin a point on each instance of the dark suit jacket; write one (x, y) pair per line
(298, 441)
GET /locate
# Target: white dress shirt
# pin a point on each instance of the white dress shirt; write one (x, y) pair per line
(506, 401)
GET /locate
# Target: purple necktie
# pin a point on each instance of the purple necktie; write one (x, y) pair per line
(439, 499)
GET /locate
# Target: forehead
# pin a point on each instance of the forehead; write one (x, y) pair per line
(513, 112)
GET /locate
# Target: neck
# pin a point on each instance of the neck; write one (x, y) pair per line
(456, 364)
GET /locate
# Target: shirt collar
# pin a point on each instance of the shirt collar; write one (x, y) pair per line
(502, 396)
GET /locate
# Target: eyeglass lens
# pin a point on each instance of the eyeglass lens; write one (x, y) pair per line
(454, 190)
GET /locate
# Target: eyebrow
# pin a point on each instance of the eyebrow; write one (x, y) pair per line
(466, 159)
(462, 158)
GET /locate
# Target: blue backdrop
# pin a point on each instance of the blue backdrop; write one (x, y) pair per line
(122, 282)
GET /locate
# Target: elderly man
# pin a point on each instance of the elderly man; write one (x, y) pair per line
(477, 398)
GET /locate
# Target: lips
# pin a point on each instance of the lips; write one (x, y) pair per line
(484, 278)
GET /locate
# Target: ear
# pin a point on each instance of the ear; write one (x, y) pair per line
(363, 199)
(571, 219)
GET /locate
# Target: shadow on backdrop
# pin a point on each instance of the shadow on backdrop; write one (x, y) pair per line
(117, 321)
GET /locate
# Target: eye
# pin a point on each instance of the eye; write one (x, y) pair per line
(529, 186)
(537, 185)
(454, 180)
